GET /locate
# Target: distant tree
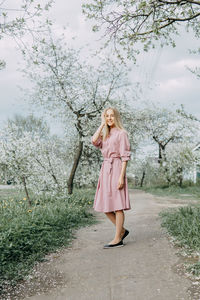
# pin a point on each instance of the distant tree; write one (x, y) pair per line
(145, 167)
(180, 161)
(30, 124)
(126, 22)
(15, 157)
(167, 128)
(35, 163)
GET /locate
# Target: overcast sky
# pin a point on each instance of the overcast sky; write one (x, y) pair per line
(162, 73)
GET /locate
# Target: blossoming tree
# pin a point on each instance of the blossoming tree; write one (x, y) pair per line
(72, 89)
(36, 161)
(127, 22)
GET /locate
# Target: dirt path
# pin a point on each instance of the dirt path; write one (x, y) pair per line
(143, 269)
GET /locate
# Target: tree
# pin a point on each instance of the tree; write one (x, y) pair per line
(165, 127)
(36, 164)
(29, 124)
(145, 169)
(195, 71)
(21, 19)
(16, 155)
(126, 22)
(15, 21)
(180, 161)
(51, 166)
(71, 89)
(177, 166)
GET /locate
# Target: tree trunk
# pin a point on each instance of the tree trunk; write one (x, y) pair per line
(164, 164)
(26, 190)
(180, 171)
(142, 180)
(160, 154)
(74, 167)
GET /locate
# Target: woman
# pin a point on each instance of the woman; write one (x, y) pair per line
(112, 196)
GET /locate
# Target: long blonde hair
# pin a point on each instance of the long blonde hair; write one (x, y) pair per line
(117, 121)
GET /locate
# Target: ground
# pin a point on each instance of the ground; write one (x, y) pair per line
(148, 267)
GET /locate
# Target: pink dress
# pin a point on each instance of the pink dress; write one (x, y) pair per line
(115, 149)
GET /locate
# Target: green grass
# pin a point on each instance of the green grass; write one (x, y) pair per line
(184, 225)
(27, 234)
(185, 192)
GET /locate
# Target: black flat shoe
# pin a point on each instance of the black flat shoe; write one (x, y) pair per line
(108, 246)
(125, 234)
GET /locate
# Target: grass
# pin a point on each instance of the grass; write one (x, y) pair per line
(183, 224)
(27, 234)
(186, 192)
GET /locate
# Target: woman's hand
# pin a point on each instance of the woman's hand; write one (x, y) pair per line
(120, 182)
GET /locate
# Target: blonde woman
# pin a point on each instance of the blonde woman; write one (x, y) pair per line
(112, 195)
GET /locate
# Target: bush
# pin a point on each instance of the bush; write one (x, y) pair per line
(183, 223)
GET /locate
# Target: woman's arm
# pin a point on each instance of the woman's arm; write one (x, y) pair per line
(125, 156)
(98, 132)
(122, 175)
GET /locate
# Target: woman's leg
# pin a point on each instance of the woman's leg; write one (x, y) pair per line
(117, 219)
(111, 216)
(119, 225)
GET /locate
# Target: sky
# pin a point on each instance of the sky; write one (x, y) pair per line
(162, 73)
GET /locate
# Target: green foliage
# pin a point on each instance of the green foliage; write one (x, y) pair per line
(183, 224)
(27, 234)
(194, 269)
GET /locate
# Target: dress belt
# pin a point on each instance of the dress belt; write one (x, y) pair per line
(109, 160)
